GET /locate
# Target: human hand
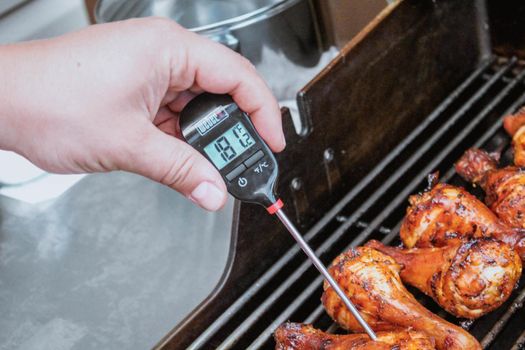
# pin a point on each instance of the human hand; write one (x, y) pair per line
(108, 97)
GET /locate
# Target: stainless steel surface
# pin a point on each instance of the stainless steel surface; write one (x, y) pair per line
(113, 263)
(8, 5)
(322, 269)
(280, 37)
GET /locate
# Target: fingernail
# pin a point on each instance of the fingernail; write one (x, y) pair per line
(283, 140)
(208, 196)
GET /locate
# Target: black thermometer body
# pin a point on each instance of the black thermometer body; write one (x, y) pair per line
(216, 127)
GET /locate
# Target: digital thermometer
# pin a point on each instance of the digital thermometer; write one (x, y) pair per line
(216, 127)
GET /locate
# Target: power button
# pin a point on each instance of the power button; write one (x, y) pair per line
(242, 182)
(235, 172)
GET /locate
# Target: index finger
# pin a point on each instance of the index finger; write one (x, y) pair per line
(219, 70)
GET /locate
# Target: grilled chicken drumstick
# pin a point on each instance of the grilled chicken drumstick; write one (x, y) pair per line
(514, 125)
(446, 215)
(296, 336)
(505, 188)
(467, 279)
(371, 280)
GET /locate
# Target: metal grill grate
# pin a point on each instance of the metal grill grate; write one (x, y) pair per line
(291, 288)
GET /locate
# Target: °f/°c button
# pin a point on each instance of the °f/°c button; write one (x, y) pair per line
(235, 172)
(254, 158)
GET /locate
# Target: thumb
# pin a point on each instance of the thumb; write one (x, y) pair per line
(174, 163)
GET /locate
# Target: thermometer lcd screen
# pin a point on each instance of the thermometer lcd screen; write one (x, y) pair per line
(231, 144)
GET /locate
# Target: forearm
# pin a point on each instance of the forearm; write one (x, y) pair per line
(29, 87)
(11, 100)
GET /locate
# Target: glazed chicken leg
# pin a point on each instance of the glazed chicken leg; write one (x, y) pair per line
(468, 279)
(514, 125)
(371, 280)
(446, 215)
(505, 188)
(295, 336)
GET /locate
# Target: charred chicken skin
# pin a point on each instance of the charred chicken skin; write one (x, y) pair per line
(371, 280)
(505, 188)
(467, 279)
(448, 215)
(296, 336)
(515, 126)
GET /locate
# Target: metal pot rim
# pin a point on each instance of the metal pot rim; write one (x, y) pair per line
(228, 24)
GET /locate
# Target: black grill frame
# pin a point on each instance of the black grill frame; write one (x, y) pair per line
(499, 94)
(467, 112)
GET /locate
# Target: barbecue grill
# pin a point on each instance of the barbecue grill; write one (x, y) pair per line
(422, 83)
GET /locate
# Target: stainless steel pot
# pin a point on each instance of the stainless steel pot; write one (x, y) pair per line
(280, 37)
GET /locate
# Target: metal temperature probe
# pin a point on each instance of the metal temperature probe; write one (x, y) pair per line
(216, 127)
